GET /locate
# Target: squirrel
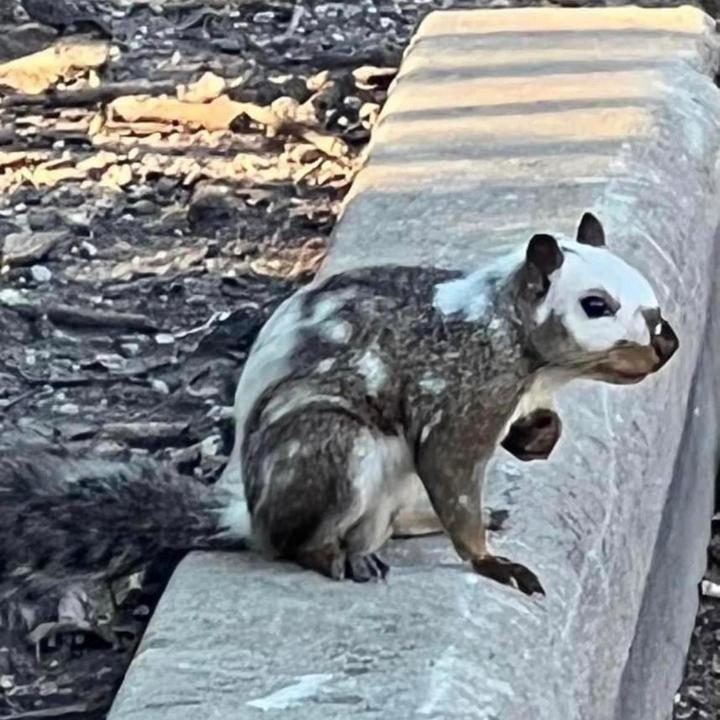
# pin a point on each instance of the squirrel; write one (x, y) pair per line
(369, 406)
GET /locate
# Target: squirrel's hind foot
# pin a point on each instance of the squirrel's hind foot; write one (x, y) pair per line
(336, 564)
(365, 568)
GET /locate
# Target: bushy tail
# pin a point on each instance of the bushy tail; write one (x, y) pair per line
(63, 519)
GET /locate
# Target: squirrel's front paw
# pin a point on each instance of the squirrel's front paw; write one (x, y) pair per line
(507, 572)
(533, 436)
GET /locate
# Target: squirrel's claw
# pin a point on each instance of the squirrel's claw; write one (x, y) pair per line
(507, 572)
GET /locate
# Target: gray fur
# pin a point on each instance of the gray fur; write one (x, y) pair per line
(427, 376)
(300, 505)
(63, 520)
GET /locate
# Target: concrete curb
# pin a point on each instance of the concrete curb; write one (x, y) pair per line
(502, 123)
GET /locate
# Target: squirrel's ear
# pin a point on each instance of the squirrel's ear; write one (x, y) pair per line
(542, 258)
(544, 253)
(590, 231)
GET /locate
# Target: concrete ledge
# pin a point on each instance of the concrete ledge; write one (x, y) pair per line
(502, 123)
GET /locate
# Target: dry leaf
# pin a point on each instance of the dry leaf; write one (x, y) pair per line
(99, 161)
(117, 176)
(328, 144)
(208, 87)
(291, 264)
(33, 74)
(22, 157)
(215, 115)
(365, 75)
(46, 175)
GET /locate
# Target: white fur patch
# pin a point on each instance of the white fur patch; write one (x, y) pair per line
(416, 515)
(236, 518)
(470, 296)
(372, 368)
(270, 359)
(383, 475)
(377, 463)
(587, 269)
(427, 429)
(433, 384)
(540, 394)
(288, 402)
(338, 331)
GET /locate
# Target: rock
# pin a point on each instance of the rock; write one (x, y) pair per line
(143, 207)
(263, 17)
(211, 206)
(68, 409)
(40, 273)
(130, 349)
(160, 386)
(166, 185)
(43, 219)
(9, 297)
(88, 249)
(78, 222)
(26, 247)
(23, 39)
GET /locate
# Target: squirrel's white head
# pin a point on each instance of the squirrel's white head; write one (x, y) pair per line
(590, 311)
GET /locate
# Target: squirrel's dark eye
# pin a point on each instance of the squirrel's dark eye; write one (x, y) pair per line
(596, 307)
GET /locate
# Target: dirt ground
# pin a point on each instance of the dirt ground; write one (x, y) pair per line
(144, 244)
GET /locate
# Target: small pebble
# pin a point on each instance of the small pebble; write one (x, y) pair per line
(130, 349)
(88, 248)
(10, 297)
(68, 409)
(164, 339)
(143, 207)
(40, 219)
(160, 386)
(210, 446)
(264, 17)
(40, 273)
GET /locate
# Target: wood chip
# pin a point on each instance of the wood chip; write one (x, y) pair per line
(144, 432)
(117, 176)
(51, 712)
(85, 317)
(710, 589)
(368, 76)
(33, 74)
(208, 87)
(215, 115)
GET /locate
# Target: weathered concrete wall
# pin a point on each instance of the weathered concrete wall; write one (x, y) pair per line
(500, 124)
(667, 613)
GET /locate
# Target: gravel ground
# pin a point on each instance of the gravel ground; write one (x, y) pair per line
(143, 248)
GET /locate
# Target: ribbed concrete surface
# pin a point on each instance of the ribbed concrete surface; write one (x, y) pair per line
(516, 115)
(500, 124)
